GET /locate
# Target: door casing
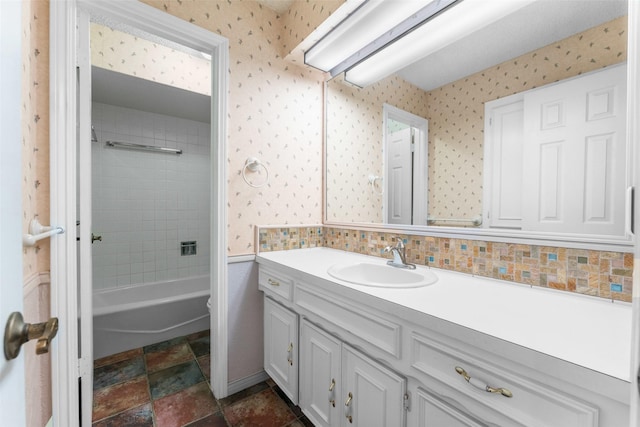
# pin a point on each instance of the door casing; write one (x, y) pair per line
(66, 365)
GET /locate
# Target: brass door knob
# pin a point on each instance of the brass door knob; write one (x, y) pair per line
(17, 332)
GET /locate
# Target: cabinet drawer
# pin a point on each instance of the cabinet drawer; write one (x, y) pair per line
(349, 316)
(440, 406)
(531, 404)
(275, 283)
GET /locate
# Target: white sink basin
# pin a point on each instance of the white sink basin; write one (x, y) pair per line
(382, 275)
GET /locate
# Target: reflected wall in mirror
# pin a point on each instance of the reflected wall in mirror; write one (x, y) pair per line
(455, 111)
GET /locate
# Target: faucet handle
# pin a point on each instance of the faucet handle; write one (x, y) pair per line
(399, 242)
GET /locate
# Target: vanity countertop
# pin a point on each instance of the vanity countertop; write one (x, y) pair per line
(591, 332)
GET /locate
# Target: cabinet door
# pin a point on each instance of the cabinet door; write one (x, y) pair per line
(281, 347)
(373, 396)
(320, 376)
(429, 410)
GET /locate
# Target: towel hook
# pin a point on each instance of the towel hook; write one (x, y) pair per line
(253, 164)
(372, 182)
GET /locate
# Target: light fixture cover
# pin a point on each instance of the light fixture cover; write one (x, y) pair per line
(462, 19)
(368, 22)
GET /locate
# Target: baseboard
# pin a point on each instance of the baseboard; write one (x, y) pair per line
(246, 382)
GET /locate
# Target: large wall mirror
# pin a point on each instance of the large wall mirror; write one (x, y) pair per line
(517, 130)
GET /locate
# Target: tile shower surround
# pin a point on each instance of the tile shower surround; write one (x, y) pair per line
(590, 272)
(145, 203)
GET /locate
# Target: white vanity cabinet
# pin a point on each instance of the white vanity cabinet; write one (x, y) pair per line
(341, 386)
(432, 409)
(281, 347)
(320, 376)
(365, 360)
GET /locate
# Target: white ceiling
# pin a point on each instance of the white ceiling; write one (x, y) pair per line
(110, 87)
(532, 27)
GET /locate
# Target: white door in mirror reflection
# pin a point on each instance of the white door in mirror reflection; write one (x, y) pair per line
(399, 176)
(405, 167)
(503, 162)
(574, 153)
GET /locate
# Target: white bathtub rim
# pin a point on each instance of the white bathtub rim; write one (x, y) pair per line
(119, 307)
(156, 331)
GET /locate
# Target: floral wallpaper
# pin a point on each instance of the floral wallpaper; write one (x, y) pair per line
(456, 111)
(275, 114)
(354, 144)
(302, 18)
(456, 124)
(589, 272)
(137, 56)
(35, 130)
(35, 196)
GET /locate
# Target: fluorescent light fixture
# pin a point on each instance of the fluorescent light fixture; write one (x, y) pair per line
(458, 21)
(368, 22)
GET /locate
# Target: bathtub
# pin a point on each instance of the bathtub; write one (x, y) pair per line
(139, 315)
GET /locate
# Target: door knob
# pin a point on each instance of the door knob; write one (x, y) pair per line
(17, 332)
(95, 237)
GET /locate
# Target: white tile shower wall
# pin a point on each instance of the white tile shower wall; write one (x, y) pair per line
(146, 203)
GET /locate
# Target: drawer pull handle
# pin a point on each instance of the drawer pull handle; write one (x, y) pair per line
(347, 411)
(332, 398)
(478, 384)
(273, 282)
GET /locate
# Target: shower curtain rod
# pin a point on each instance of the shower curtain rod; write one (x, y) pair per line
(131, 146)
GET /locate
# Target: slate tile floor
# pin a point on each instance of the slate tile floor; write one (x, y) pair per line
(167, 385)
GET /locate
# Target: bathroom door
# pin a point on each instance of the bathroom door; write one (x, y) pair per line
(399, 176)
(12, 394)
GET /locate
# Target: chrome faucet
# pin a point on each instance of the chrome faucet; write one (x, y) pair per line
(399, 255)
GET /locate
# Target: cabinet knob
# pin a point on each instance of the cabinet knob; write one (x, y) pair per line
(479, 384)
(273, 282)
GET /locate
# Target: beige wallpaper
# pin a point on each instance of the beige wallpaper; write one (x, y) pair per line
(275, 114)
(354, 144)
(302, 18)
(456, 111)
(35, 130)
(35, 197)
(123, 52)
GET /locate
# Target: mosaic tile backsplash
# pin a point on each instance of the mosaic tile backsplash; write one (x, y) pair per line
(590, 272)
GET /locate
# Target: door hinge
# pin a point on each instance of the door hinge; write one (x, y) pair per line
(406, 402)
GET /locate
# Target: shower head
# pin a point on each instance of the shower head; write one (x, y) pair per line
(94, 137)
